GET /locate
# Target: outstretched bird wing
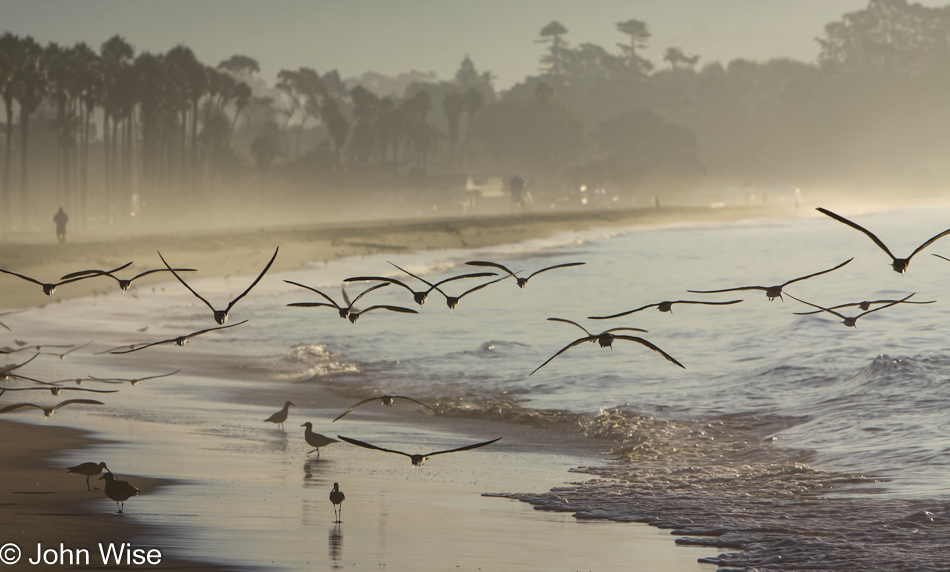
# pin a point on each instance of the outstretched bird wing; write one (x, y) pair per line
(627, 313)
(817, 273)
(651, 346)
(91, 273)
(570, 322)
(366, 445)
(830, 311)
(553, 267)
(567, 347)
(329, 299)
(175, 274)
(33, 280)
(77, 401)
(929, 242)
(491, 264)
(885, 306)
(253, 284)
(367, 400)
(365, 292)
(465, 448)
(857, 226)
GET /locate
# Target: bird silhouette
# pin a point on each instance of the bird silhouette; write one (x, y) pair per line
(420, 296)
(337, 497)
(453, 301)
(50, 287)
(522, 282)
(133, 381)
(606, 340)
(221, 316)
(899, 264)
(354, 315)
(772, 292)
(280, 416)
(316, 440)
(47, 411)
(384, 400)
(88, 469)
(124, 284)
(850, 321)
(119, 491)
(6, 371)
(180, 340)
(343, 310)
(666, 306)
(865, 305)
(36, 347)
(56, 390)
(417, 460)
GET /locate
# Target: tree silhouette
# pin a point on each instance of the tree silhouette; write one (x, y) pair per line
(677, 58)
(639, 34)
(453, 106)
(29, 88)
(9, 56)
(471, 102)
(551, 34)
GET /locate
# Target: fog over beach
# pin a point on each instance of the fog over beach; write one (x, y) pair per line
(765, 384)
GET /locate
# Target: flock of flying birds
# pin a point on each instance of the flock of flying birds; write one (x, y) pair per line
(120, 491)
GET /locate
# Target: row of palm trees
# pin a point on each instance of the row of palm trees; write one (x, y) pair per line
(150, 107)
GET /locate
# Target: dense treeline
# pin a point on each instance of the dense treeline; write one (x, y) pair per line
(111, 134)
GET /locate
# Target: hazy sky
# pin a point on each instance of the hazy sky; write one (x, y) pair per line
(392, 36)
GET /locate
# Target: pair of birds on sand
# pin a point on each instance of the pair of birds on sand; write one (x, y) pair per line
(317, 440)
(115, 489)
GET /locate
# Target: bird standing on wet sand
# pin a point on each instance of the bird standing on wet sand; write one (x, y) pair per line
(88, 469)
(850, 322)
(337, 497)
(387, 400)
(417, 460)
(772, 292)
(119, 491)
(606, 340)
(221, 316)
(522, 282)
(280, 416)
(666, 306)
(899, 264)
(316, 440)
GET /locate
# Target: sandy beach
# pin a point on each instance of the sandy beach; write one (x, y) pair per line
(395, 516)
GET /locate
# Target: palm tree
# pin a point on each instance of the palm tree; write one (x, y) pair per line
(9, 50)
(90, 89)
(29, 88)
(116, 57)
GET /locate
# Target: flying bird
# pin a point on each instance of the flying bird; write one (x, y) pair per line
(772, 292)
(49, 288)
(343, 310)
(88, 469)
(354, 315)
(47, 411)
(55, 389)
(666, 306)
(522, 282)
(453, 301)
(119, 491)
(865, 305)
(384, 400)
(6, 371)
(850, 321)
(316, 440)
(417, 460)
(606, 340)
(134, 381)
(280, 416)
(7, 314)
(124, 284)
(900, 264)
(420, 296)
(337, 497)
(221, 316)
(180, 340)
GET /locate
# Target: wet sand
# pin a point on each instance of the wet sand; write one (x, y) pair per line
(262, 482)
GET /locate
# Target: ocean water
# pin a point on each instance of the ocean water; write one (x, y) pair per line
(787, 442)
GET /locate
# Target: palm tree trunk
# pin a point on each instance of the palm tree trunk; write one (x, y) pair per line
(24, 180)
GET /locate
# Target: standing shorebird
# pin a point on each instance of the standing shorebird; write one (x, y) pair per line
(280, 416)
(88, 469)
(417, 459)
(221, 316)
(337, 497)
(522, 282)
(119, 491)
(316, 440)
(772, 292)
(899, 264)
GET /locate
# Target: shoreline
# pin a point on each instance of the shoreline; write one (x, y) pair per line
(224, 254)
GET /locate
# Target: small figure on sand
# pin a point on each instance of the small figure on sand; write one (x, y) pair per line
(61, 219)
(516, 188)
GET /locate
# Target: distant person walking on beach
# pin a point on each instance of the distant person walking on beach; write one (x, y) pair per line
(61, 219)
(516, 187)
